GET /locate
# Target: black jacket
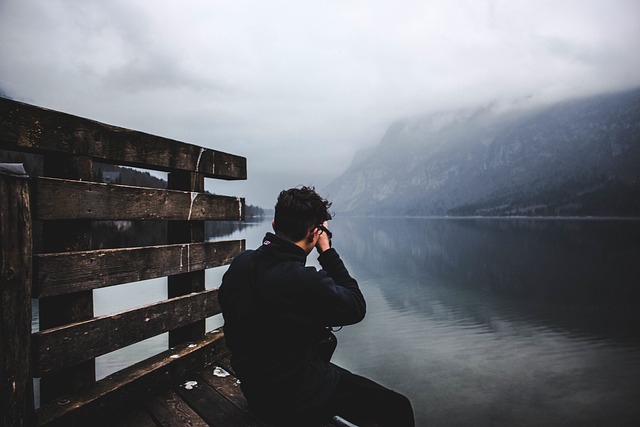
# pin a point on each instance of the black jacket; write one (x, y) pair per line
(275, 311)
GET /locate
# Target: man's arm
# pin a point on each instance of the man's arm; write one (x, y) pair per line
(347, 302)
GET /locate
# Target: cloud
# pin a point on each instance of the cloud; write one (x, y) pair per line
(299, 87)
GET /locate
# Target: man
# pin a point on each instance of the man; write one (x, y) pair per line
(277, 316)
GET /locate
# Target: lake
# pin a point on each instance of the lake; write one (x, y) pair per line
(483, 322)
(499, 322)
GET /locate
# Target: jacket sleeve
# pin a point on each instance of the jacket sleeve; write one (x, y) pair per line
(347, 304)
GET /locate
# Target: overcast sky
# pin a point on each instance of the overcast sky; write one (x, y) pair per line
(298, 87)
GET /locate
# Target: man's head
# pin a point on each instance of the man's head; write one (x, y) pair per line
(298, 211)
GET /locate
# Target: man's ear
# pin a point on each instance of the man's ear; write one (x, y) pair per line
(273, 224)
(311, 235)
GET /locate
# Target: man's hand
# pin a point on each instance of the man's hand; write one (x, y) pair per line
(324, 239)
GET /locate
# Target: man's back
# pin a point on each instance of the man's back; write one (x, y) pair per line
(276, 312)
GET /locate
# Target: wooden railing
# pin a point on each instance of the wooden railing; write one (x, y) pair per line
(60, 205)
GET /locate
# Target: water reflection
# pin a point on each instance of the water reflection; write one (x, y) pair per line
(499, 322)
(581, 267)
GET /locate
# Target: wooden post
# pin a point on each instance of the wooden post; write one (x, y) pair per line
(16, 389)
(63, 236)
(186, 232)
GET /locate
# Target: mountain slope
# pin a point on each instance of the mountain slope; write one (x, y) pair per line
(575, 158)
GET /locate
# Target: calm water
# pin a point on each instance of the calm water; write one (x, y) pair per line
(499, 322)
(483, 322)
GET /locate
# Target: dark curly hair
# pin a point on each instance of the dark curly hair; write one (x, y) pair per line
(298, 210)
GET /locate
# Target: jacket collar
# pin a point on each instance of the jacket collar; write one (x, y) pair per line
(282, 248)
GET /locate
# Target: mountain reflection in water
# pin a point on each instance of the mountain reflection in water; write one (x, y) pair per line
(499, 321)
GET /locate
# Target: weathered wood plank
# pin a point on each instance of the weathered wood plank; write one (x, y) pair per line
(67, 272)
(137, 417)
(228, 385)
(27, 127)
(64, 236)
(57, 348)
(134, 384)
(170, 410)
(186, 232)
(213, 407)
(16, 387)
(64, 199)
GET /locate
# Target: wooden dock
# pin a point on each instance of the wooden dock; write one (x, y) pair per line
(47, 254)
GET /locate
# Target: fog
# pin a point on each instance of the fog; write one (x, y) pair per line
(299, 87)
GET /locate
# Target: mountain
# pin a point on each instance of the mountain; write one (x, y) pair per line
(575, 158)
